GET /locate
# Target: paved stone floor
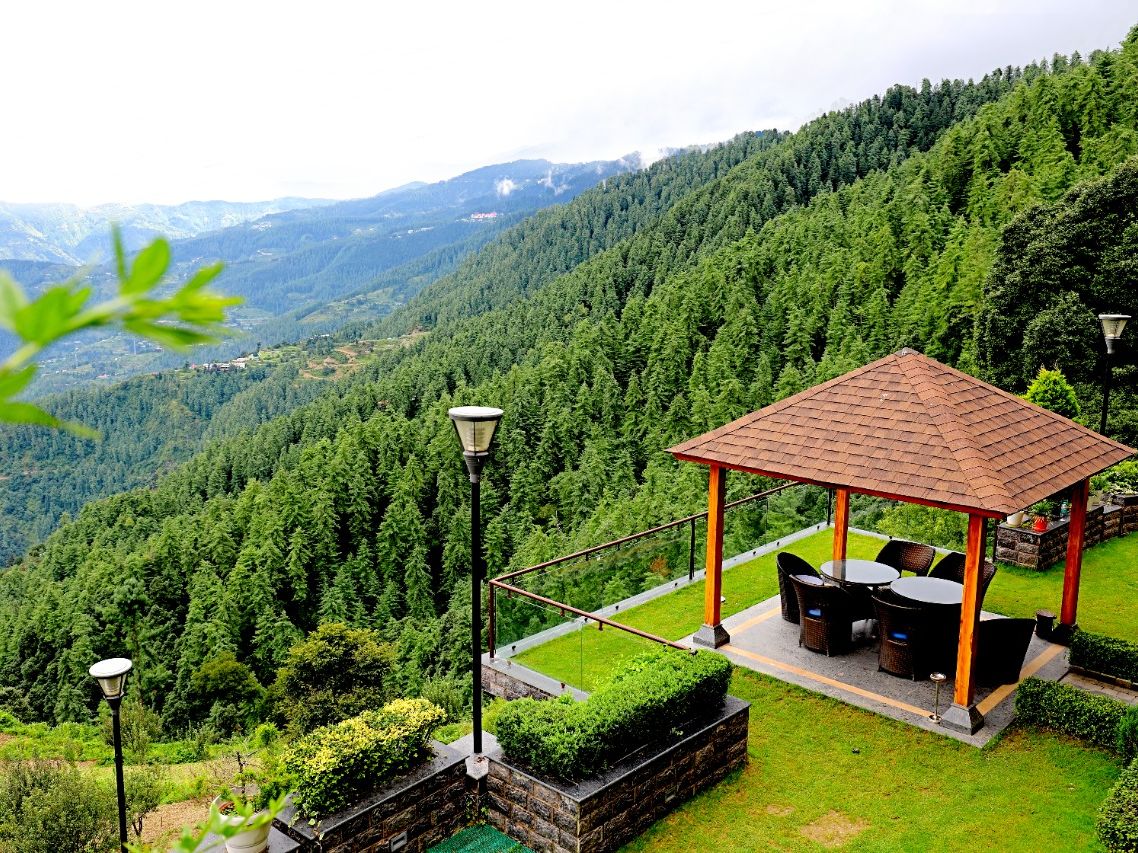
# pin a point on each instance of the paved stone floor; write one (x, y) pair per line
(1092, 685)
(762, 641)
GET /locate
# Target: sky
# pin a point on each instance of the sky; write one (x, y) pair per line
(246, 100)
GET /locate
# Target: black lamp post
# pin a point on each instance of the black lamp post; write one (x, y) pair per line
(1112, 326)
(475, 426)
(111, 675)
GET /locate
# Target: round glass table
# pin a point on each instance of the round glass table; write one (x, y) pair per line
(861, 572)
(929, 590)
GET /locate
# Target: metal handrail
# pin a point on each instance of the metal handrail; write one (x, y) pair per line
(500, 582)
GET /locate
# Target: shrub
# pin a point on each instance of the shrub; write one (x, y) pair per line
(337, 765)
(51, 807)
(1110, 656)
(1128, 733)
(336, 673)
(1051, 390)
(1070, 710)
(1118, 817)
(643, 701)
(447, 694)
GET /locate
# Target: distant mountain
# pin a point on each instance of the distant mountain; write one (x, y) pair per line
(65, 233)
(309, 270)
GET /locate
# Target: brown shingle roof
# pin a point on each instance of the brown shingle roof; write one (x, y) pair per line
(908, 426)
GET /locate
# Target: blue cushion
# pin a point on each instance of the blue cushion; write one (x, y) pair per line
(898, 635)
(813, 611)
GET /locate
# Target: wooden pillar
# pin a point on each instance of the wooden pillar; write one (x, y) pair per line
(841, 522)
(1076, 538)
(712, 633)
(963, 714)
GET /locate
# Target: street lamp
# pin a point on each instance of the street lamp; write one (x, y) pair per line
(111, 675)
(475, 427)
(1112, 326)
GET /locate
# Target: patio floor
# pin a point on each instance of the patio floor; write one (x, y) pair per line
(763, 642)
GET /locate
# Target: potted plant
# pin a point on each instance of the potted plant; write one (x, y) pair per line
(1041, 513)
(243, 806)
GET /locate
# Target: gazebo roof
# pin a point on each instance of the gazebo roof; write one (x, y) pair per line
(908, 427)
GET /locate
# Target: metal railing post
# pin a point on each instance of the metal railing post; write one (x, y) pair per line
(490, 620)
(691, 553)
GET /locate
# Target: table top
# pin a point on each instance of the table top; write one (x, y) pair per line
(929, 590)
(864, 572)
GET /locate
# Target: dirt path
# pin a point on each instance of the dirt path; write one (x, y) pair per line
(165, 825)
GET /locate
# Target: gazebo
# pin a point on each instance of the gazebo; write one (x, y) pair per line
(909, 428)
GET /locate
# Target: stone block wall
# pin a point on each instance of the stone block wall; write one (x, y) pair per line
(502, 677)
(1129, 505)
(601, 814)
(424, 807)
(1022, 546)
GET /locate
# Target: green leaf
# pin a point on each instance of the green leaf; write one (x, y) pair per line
(203, 277)
(51, 315)
(175, 337)
(120, 254)
(149, 267)
(26, 413)
(12, 299)
(13, 382)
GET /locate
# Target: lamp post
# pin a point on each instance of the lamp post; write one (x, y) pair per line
(1112, 326)
(111, 675)
(475, 427)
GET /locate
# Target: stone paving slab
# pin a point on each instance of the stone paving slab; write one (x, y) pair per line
(1093, 685)
(763, 642)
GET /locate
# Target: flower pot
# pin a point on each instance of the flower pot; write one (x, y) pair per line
(249, 841)
(1015, 519)
(1040, 524)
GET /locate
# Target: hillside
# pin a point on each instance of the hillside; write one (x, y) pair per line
(293, 267)
(352, 507)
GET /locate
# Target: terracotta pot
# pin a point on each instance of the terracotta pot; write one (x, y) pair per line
(1040, 524)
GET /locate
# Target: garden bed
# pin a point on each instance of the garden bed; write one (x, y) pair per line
(603, 812)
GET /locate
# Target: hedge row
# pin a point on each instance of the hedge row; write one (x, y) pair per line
(1067, 709)
(1118, 817)
(1106, 655)
(337, 765)
(643, 701)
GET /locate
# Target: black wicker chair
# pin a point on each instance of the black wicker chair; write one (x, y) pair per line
(791, 564)
(826, 614)
(951, 568)
(1001, 647)
(908, 638)
(907, 556)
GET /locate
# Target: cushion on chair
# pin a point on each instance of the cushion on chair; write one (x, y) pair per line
(898, 635)
(814, 611)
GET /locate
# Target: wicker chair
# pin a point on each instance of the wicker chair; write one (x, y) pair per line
(1001, 647)
(908, 638)
(907, 556)
(951, 568)
(791, 564)
(827, 616)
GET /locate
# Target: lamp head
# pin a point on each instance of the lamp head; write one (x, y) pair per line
(475, 427)
(1112, 326)
(111, 675)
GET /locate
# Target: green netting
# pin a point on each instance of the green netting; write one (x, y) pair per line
(480, 839)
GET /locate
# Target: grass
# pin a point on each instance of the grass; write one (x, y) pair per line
(1108, 604)
(825, 774)
(822, 773)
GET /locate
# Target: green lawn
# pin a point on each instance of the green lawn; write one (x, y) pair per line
(1108, 603)
(824, 774)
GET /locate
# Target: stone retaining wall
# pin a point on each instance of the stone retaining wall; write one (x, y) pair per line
(416, 811)
(502, 677)
(603, 813)
(1022, 546)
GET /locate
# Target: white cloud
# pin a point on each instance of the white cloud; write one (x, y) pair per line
(504, 187)
(215, 99)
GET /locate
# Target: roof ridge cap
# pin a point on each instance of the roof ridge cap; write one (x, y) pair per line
(943, 415)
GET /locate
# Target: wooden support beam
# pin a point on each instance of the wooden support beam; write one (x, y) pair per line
(841, 522)
(712, 633)
(1076, 539)
(963, 715)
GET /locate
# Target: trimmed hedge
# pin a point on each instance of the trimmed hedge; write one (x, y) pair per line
(1118, 818)
(1070, 710)
(337, 765)
(1106, 655)
(643, 701)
